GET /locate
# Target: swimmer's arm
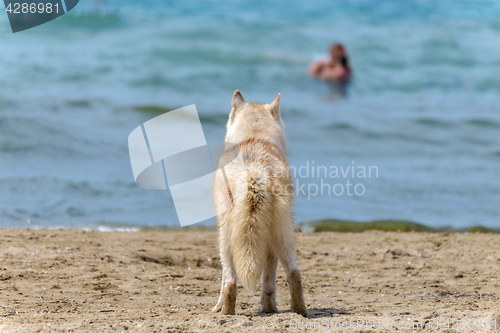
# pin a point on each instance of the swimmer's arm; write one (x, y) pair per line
(316, 68)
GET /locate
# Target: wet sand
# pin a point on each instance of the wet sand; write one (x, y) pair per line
(77, 281)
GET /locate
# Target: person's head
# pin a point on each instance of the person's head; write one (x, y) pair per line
(337, 51)
(339, 55)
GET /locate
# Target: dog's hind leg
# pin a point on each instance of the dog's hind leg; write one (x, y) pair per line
(218, 306)
(227, 298)
(285, 248)
(229, 291)
(268, 297)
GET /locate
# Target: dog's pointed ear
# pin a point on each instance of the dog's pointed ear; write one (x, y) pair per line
(238, 101)
(274, 107)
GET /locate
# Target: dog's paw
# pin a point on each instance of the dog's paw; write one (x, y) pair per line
(268, 309)
(300, 310)
(217, 307)
(228, 311)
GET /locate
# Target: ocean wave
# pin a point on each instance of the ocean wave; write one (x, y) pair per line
(487, 123)
(445, 60)
(429, 122)
(153, 109)
(350, 131)
(25, 135)
(205, 117)
(90, 20)
(203, 53)
(487, 84)
(340, 126)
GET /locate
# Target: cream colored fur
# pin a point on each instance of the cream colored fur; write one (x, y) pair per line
(258, 229)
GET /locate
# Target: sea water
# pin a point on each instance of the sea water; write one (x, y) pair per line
(422, 109)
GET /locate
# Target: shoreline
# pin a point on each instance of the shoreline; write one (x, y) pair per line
(334, 225)
(74, 280)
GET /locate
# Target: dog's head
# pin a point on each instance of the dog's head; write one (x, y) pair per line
(255, 121)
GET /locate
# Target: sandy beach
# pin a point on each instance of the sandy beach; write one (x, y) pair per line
(77, 281)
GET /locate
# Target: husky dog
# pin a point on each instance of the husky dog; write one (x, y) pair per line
(258, 229)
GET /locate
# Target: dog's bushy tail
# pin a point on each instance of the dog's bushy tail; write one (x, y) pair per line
(251, 230)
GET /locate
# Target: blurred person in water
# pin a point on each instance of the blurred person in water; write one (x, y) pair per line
(337, 68)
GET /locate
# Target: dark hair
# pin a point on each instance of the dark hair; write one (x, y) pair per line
(344, 61)
(341, 55)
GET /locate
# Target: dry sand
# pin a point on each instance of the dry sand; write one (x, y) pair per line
(77, 281)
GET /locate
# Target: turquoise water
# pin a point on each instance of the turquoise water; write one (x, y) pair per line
(423, 107)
